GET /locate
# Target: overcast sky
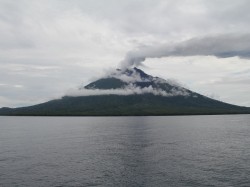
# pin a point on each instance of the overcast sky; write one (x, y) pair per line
(50, 46)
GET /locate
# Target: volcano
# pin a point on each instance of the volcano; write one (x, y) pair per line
(129, 92)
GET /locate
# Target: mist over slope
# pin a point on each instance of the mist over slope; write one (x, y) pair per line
(129, 92)
(132, 81)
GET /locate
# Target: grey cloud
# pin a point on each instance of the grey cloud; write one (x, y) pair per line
(244, 72)
(232, 81)
(82, 37)
(171, 19)
(221, 46)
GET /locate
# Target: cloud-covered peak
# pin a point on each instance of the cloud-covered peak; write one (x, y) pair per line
(131, 81)
(49, 46)
(131, 75)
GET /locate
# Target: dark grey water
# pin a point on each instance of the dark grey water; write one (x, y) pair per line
(125, 151)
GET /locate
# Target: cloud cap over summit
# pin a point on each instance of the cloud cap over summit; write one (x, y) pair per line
(48, 46)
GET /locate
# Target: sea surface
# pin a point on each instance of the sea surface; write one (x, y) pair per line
(179, 151)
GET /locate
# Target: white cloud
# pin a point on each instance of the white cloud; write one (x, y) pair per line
(129, 90)
(228, 78)
(49, 45)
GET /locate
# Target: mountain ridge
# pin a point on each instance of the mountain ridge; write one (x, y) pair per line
(135, 78)
(129, 92)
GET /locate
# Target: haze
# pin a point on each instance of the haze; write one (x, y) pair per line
(50, 46)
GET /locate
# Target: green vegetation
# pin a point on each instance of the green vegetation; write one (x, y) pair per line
(190, 103)
(132, 105)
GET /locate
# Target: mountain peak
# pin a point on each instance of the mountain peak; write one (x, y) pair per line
(132, 75)
(136, 81)
(142, 73)
(129, 92)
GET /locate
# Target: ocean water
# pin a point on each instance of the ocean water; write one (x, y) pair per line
(193, 151)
